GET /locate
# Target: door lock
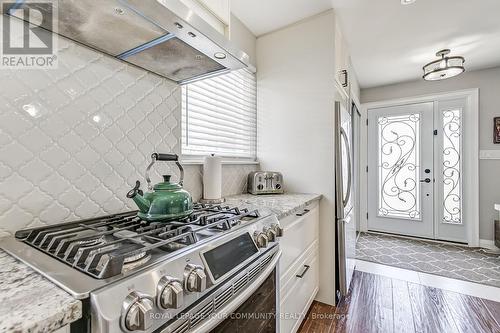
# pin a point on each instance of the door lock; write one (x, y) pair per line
(427, 170)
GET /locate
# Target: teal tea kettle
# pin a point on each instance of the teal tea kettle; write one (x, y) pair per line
(164, 201)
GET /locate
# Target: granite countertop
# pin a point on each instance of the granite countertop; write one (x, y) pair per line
(282, 205)
(31, 303)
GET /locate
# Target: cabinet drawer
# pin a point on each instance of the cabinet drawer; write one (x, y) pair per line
(299, 233)
(298, 293)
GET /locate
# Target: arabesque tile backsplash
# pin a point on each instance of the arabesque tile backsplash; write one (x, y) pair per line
(73, 140)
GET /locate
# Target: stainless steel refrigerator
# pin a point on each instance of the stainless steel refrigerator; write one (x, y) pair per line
(344, 196)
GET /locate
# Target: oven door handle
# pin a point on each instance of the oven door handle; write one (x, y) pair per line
(213, 321)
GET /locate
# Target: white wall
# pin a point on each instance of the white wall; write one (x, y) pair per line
(295, 120)
(488, 82)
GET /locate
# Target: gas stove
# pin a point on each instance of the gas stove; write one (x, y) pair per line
(145, 276)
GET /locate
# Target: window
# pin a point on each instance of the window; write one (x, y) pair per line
(219, 116)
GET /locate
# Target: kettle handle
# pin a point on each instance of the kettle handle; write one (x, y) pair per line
(164, 157)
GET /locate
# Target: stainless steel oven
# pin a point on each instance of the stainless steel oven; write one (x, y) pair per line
(213, 271)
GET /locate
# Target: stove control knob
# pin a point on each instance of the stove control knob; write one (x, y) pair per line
(195, 278)
(261, 239)
(169, 293)
(138, 315)
(271, 234)
(279, 230)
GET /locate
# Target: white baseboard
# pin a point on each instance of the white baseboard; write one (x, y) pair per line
(488, 244)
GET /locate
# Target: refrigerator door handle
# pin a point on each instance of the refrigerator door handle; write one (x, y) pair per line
(349, 165)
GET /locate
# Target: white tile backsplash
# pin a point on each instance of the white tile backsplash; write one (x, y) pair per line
(234, 179)
(74, 140)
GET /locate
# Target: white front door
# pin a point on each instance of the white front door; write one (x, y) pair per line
(414, 170)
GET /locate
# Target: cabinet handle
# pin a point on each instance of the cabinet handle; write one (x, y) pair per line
(300, 276)
(346, 78)
(304, 212)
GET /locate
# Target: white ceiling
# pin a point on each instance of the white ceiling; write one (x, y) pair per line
(263, 16)
(389, 42)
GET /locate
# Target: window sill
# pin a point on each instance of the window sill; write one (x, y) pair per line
(196, 161)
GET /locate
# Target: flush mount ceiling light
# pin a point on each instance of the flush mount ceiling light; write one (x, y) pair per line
(444, 68)
(407, 2)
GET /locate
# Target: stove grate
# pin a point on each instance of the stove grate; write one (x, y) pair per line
(108, 246)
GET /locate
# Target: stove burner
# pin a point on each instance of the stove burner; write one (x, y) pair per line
(90, 242)
(134, 257)
(128, 266)
(111, 245)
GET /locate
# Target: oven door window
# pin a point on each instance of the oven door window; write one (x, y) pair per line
(227, 256)
(257, 314)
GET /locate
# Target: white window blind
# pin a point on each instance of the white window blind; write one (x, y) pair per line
(219, 116)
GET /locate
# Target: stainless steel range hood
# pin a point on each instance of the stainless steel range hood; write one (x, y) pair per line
(161, 36)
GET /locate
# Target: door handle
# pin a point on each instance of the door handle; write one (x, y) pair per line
(349, 166)
(426, 180)
(300, 276)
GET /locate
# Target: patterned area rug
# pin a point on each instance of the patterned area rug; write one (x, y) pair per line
(453, 261)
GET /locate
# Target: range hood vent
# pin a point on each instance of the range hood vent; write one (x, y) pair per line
(161, 36)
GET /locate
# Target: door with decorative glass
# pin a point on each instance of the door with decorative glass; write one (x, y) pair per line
(414, 170)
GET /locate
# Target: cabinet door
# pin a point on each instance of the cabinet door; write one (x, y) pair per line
(338, 50)
(299, 232)
(298, 293)
(203, 10)
(219, 8)
(341, 60)
(64, 329)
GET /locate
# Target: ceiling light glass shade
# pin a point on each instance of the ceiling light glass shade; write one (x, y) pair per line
(444, 68)
(407, 2)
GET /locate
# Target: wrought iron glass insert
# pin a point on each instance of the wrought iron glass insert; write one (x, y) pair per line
(452, 198)
(398, 166)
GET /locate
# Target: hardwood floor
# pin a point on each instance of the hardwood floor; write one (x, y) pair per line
(381, 304)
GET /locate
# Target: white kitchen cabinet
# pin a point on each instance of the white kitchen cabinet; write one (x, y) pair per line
(299, 266)
(64, 329)
(220, 8)
(214, 12)
(342, 60)
(355, 91)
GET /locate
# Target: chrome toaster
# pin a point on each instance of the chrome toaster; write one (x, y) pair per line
(265, 182)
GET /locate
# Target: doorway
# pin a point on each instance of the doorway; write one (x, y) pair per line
(415, 169)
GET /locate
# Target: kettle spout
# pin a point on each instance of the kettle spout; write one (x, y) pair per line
(136, 195)
(142, 203)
